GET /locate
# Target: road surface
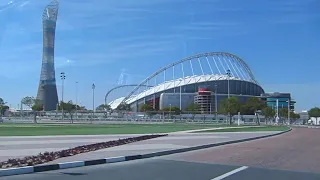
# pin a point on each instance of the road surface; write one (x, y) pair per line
(296, 150)
(158, 169)
(291, 156)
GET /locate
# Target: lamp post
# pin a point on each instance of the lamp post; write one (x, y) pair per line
(180, 104)
(63, 77)
(228, 74)
(169, 111)
(277, 111)
(93, 87)
(288, 111)
(21, 109)
(77, 99)
(215, 99)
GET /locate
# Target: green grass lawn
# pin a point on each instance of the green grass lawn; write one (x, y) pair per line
(85, 129)
(251, 129)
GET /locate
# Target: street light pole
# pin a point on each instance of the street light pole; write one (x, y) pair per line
(21, 109)
(228, 74)
(76, 99)
(288, 111)
(170, 111)
(180, 99)
(93, 87)
(215, 99)
(63, 77)
(277, 111)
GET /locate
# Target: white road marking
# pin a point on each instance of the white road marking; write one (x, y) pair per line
(230, 173)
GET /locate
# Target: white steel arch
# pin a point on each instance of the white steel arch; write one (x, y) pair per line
(235, 64)
(118, 87)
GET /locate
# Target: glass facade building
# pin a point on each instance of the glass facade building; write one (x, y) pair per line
(284, 100)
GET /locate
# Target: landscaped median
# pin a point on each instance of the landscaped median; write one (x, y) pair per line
(248, 129)
(50, 156)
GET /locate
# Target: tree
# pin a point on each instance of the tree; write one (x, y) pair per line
(68, 107)
(294, 116)
(193, 109)
(3, 107)
(314, 112)
(268, 113)
(2, 103)
(283, 112)
(28, 101)
(36, 107)
(146, 108)
(245, 110)
(231, 106)
(104, 108)
(254, 105)
(172, 110)
(81, 108)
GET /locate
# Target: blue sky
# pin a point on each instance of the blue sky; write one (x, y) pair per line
(97, 40)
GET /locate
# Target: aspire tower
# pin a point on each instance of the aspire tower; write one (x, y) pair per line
(47, 90)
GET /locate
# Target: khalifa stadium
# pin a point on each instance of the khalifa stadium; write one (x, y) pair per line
(204, 79)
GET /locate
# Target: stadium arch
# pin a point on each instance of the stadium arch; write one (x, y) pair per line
(218, 64)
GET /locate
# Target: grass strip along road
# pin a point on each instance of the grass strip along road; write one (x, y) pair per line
(75, 129)
(250, 129)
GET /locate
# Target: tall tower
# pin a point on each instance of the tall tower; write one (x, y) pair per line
(47, 90)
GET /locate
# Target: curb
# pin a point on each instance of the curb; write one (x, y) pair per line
(66, 165)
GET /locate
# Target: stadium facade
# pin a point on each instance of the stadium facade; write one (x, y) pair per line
(47, 90)
(227, 75)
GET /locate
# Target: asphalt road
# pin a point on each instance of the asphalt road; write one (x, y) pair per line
(159, 169)
(296, 150)
(292, 156)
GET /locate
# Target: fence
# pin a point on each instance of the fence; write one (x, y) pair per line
(143, 117)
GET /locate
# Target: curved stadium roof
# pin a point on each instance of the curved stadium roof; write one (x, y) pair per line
(169, 85)
(212, 66)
